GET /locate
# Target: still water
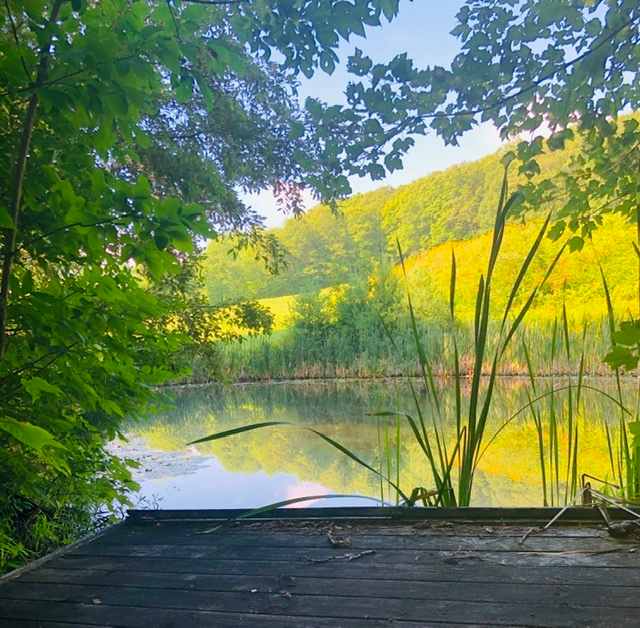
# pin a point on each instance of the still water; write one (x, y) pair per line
(274, 464)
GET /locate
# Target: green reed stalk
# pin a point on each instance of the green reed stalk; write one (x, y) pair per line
(397, 458)
(387, 455)
(380, 473)
(470, 435)
(537, 421)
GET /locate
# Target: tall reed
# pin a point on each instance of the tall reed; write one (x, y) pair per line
(559, 417)
(624, 452)
(453, 461)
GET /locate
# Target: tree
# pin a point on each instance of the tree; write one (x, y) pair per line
(128, 129)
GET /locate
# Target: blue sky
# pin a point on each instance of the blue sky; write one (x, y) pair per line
(422, 30)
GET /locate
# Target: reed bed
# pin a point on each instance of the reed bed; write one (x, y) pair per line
(369, 354)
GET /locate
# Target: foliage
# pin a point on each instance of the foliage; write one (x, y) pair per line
(128, 130)
(279, 308)
(202, 327)
(345, 313)
(319, 249)
(525, 66)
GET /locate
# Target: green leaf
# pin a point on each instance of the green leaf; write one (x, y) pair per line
(28, 434)
(34, 7)
(628, 334)
(36, 386)
(237, 430)
(507, 158)
(621, 358)
(557, 230)
(161, 240)
(576, 243)
(389, 8)
(5, 219)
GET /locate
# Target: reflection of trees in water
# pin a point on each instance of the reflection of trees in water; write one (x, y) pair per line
(508, 474)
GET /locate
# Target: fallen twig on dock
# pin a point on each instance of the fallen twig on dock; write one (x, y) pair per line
(349, 557)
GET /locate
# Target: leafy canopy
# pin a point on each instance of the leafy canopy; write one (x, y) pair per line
(542, 71)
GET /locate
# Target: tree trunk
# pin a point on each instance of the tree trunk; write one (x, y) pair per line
(11, 236)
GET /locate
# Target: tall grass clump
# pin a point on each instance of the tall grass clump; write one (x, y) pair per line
(364, 351)
(453, 461)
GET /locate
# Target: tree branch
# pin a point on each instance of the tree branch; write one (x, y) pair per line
(56, 353)
(14, 31)
(46, 83)
(107, 221)
(543, 79)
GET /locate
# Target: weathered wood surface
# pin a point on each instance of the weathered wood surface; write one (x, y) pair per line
(159, 571)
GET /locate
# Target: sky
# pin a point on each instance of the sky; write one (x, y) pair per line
(422, 30)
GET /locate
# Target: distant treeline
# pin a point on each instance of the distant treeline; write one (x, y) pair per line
(324, 249)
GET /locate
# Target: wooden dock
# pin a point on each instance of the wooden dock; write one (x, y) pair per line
(321, 568)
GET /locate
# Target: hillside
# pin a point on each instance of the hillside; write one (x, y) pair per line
(575, 279)
(324, 249)
(337, 332)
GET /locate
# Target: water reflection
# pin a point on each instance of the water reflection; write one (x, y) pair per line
(280, 463)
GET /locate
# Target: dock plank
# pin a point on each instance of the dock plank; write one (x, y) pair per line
(286, 540)
(498, 612)
(463, 571)
(439, 589)
(162, 571)
(613, 555)
(140, 529)
(144, 617)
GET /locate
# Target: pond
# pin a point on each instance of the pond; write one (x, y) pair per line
(274, 464)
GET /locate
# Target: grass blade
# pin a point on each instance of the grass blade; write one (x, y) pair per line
(341, 448)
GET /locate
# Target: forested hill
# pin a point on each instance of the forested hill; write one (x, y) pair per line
(324, 249)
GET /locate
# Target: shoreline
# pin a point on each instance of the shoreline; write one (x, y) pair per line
(388, 378)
